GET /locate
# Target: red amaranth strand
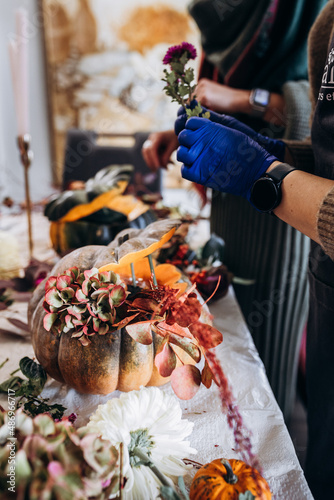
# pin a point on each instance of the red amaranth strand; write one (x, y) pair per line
(234, 419)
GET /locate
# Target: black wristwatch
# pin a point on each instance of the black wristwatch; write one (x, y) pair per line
(266, 192)
(259, 101)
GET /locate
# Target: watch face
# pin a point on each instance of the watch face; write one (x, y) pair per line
(261, 97)
(265, 195)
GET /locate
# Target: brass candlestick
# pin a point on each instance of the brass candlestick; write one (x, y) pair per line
(26, 156)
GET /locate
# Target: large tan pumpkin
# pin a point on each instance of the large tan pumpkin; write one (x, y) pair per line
(114, 360)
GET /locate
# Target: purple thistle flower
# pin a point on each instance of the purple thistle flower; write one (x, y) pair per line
(175, 52)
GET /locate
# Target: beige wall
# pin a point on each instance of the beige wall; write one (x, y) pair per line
(11, 173)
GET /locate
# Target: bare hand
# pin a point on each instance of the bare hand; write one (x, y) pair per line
(221, 98)
(158, 148)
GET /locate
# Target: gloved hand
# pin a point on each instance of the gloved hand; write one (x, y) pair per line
(221, 158)
(273, 146)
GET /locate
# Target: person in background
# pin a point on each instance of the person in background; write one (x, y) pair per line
(254, 66)
(230, 157)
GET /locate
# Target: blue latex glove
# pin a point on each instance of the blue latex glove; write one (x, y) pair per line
(221, 158)
(273, 146)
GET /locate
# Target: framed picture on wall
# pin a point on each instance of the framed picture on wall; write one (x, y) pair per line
(104, 67)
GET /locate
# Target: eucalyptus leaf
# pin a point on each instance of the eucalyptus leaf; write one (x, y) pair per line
(182, 487)
(248, 495)
(168, 493)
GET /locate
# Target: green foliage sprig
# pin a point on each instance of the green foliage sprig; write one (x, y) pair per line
(179, 81)
(27, 391)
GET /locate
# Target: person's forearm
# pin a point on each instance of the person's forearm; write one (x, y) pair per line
(302, 196)
(275, 112)
(225, 99)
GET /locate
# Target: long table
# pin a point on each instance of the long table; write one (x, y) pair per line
(211, 435)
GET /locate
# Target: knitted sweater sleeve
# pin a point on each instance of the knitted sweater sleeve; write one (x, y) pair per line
(326, 224)
(298, 110)
(303, 159)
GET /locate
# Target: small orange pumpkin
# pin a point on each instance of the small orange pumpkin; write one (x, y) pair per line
(226, 479)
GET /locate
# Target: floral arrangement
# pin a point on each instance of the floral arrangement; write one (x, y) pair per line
(82, 305)
(149, 424)
(93, 302)
(179, 80)
(146, 307)
(54, 460)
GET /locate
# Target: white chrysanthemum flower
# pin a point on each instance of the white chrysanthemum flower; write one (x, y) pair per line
(150, 420)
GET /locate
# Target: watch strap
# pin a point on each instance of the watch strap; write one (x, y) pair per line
(279, 172)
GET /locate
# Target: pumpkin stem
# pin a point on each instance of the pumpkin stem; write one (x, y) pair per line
(230, 477)
(155, 283)
(134, 282)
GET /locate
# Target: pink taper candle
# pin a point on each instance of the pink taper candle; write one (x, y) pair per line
(18, 53)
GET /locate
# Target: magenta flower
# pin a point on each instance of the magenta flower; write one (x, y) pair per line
(175, 52)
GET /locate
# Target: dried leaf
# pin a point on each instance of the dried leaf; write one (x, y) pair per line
(186, 381)
(141, 332)
(19, 324)
(207, 335)
(175, 328)
(125, 321)
(188, 346)
(144, 304)
(207, 375)
(165, 360)
(187, 312)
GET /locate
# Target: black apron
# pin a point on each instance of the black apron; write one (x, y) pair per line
(320, 333)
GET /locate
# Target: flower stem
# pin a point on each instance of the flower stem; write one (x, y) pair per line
(121, 471)
(146, 461)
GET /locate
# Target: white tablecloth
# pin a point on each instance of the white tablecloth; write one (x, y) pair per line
(211, 435)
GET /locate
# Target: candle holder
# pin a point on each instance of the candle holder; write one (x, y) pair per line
(26, 156)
